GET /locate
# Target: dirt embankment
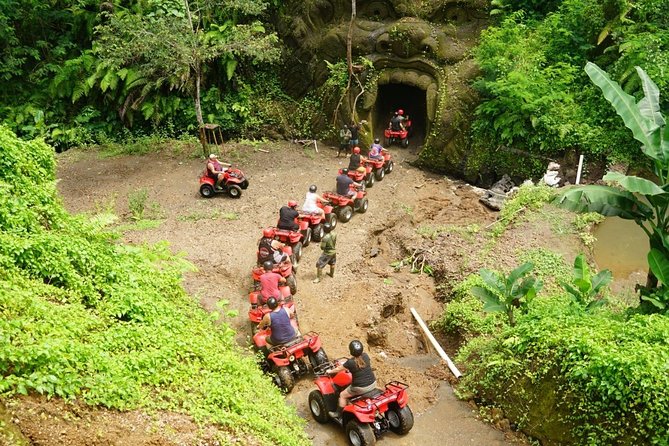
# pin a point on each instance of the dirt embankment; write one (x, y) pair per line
(368, 299)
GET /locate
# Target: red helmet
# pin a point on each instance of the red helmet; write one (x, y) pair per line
(268, 232)
(400, 112)
(292, 204)
(356, 149)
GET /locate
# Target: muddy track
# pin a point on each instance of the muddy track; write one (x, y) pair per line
(367, 299)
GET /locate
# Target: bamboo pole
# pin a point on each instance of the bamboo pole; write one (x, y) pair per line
(436, 345)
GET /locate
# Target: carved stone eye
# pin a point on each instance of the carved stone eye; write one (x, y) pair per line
(455, 15)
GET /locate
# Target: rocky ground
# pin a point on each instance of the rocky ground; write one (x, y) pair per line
(368, 299)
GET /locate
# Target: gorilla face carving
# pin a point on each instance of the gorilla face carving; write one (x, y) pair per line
(419, 50)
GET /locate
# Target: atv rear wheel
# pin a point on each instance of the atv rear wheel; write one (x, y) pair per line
(405, 142)
(332, 219)
(234, 191)
(291, 281)
(284, 379)
(345, 213)
(362, 205)
(360, 434)
(207, 190)
(390, 166)
(318, 232)
(400, 420)
(317, 406)
(306, 237)
(369, 182)
(380, 173)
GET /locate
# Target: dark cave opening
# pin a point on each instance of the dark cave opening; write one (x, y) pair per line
(391, 97)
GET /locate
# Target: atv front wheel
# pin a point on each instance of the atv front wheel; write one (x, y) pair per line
(207, 190)
(332, 219)
(234, 191)
(317, 406)
(291, 281)
(360, 434)
(379, 173)
(400, 420)
(284, 379)
(362, 205)
(318, 358)
(318, 232)
(390, 166)
(369, 182)
(344, 214)
(297, 252)
(306, 237)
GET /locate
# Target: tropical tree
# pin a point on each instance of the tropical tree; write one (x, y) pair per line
(172, 45)
(646, 201)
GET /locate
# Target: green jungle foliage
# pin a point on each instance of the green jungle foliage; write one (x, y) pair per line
(85, 317)
(536, 97)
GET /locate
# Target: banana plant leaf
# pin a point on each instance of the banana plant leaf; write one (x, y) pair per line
(659, 265)
(491, 302)
(605, 200)
(649, 105)
(644, 129)
(634, 184)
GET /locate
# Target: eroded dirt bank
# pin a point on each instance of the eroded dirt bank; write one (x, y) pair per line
(368, 298)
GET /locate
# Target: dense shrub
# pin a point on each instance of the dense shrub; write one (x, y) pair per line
(84, 317)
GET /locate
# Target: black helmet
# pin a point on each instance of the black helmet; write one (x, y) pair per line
(344, 171)
(355, 347)
(313, 188)
(377, 140)
(327, 227)
(272, 303)
(268, 265)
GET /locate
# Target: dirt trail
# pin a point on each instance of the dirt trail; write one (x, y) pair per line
(367, 299)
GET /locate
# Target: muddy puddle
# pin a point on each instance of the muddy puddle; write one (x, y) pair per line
(622, 247)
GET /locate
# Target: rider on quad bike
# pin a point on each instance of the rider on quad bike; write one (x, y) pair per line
(216, 170)
(270, 248)
(375, 150)
(287, 216)
(396, 122)
(360, 367)
(343, 184)
(282, 330)
(269, 283)
(355, 161)
(311, 201)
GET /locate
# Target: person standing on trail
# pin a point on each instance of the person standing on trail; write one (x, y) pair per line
(344, 140)
(355, 134)
(329, 254)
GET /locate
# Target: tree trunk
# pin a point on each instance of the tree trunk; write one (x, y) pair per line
(198, 107)
(349, 55)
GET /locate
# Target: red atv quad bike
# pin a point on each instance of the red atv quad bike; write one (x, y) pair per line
(366, 416)
(366, 177)
(398, 136)
(233, 183)
(316, 221)
(291, 360)
(285, 269)
(377, 166)
(295, 239)
(344, 206)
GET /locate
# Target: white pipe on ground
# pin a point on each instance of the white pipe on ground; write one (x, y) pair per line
(436, 345)
(580, 169)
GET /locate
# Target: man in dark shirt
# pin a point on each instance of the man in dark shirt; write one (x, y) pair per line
(396, 123)
(343, 183)
(355, 134)
(287, 216)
